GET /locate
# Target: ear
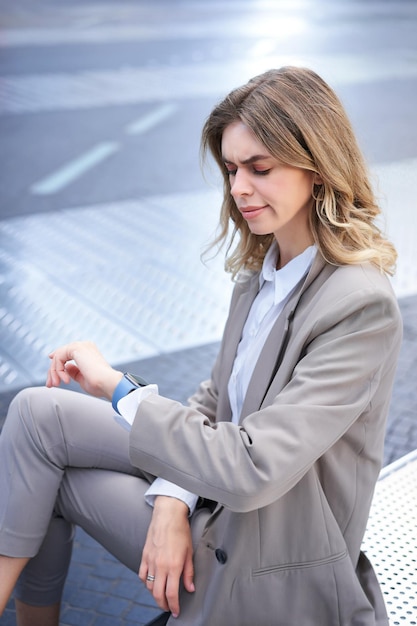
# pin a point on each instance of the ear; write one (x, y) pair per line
(317, 179)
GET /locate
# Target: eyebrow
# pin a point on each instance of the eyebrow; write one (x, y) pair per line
(252, 159)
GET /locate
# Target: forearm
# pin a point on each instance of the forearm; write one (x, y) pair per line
(342, 367)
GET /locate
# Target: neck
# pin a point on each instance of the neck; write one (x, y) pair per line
(285, 255)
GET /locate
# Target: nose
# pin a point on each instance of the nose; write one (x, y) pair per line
(240, 184)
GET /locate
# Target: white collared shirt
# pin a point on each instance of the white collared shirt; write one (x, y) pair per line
(275, 287)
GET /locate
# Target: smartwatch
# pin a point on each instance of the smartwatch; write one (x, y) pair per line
(128, 383)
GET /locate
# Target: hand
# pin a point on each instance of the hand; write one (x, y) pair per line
(168, 553)
(84, 363)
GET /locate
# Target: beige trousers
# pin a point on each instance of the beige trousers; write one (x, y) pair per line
(63, 462)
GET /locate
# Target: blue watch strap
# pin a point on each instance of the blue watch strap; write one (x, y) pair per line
(124, 387)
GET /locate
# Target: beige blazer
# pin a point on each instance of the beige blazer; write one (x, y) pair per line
(292, 484)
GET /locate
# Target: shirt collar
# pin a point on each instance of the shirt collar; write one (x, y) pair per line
(286, 278)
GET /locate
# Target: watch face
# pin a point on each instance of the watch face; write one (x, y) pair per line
(136, 380)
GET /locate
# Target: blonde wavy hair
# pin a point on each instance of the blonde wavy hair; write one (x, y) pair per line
(302, 123)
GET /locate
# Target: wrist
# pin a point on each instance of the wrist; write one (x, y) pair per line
(126, 384)
(110, 383)
(171, 505)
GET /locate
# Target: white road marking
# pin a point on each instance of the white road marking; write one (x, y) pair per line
(74, 169)
(150, 120)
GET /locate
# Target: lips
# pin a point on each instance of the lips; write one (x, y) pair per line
(250, 212)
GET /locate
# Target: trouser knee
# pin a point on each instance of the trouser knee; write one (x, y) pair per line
(30, 405)
(33, 418)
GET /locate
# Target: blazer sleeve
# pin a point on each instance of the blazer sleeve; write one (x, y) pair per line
(347, 361)
(205, 399)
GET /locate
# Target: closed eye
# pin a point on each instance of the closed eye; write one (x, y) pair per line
(261, 172)
(257, 172)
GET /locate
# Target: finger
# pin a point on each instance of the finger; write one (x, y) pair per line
(150, 580)
(143, 570)
(63, 376)
(172, 594)
(158, 591)
(48, 381)
(72, 370)
(188, 574)
(53, 379)
(60, 377)
(58, 366)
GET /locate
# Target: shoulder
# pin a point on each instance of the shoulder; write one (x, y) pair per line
(358, 281)
(352, 290)
(363, 275)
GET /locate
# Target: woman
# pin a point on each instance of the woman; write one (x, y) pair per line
(265, 478)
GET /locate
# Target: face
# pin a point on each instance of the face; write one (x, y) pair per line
(272, 198)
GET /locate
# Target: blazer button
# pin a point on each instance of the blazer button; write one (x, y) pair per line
(221, 556)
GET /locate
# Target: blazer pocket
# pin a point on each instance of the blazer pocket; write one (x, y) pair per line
(302, 565)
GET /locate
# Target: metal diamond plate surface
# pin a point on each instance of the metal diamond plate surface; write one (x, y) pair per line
(127, 276)
(390, 539)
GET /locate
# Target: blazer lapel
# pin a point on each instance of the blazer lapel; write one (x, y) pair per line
(275, 345)
(232, 335)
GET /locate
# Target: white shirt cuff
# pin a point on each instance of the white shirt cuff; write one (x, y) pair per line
(128, 405)
(162, 487)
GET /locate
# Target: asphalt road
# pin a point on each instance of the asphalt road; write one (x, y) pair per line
(76, 75)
